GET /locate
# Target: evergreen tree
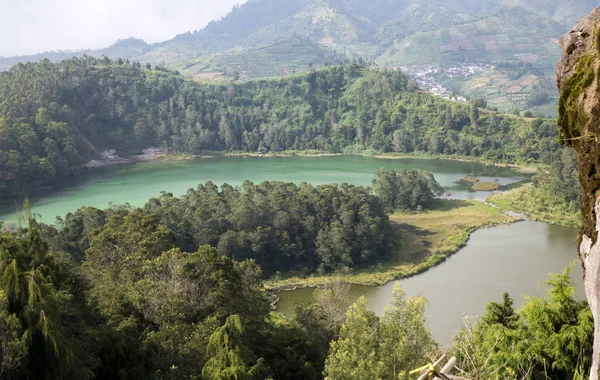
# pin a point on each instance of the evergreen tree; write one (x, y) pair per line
(227, 356)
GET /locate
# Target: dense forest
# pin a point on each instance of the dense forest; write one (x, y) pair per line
(173, 290)
(56, 117)
(282, 226)
(147, 309)
(140, 292)
(546, 338)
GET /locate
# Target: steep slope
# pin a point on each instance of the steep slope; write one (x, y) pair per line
(500, 37)
(393, 31)
(352, 26)
(564, 11)
(578, 77)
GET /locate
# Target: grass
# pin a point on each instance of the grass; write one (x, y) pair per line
(523, 200)
(422, 240)
(485, 186)
(477, 185)
(469, 179)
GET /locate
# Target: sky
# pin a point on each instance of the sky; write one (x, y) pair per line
(33, 26)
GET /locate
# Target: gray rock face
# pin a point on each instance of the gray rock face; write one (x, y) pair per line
(578, 79)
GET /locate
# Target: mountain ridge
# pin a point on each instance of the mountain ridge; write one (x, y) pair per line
(352, 27)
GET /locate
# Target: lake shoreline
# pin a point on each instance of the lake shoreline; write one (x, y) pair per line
(525, 169)
(452, 228)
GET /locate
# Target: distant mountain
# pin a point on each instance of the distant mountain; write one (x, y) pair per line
(391, 31)
(126, 49)
(500, 36)
(567, 12)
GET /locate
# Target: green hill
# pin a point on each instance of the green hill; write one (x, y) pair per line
(273, 37)
(56, 117)
(433, 29)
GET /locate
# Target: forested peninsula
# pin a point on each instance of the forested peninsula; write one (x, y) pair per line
(56, 117)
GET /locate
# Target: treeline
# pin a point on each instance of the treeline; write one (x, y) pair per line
(281, 226)
(149, 311)
(557, 183)
(546, 338)
(55, 117)
(410, 189)
(142, 311)
(555, 194)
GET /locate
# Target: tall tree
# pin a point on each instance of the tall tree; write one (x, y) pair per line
(386, 348)
(228, 357)
(355, 354)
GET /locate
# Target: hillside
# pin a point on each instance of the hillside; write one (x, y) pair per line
(356, 27)
(281, 58)
(508, 87)
(435, 30)
(499, 37)
(564, 11)
(56, 117)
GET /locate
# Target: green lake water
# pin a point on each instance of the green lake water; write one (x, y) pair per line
(137, 182)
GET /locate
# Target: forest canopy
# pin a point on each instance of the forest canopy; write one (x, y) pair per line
(281, 226)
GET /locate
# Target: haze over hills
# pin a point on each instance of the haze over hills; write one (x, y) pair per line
(354, 26)
(395, 31)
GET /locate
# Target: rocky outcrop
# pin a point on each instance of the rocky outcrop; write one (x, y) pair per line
(578, 79)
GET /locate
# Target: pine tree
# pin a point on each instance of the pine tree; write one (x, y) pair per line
(227, 354)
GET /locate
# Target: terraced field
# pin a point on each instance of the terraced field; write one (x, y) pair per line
(493, 39)
(507, 90)
(285, 57)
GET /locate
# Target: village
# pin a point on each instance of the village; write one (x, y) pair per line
(429, 77)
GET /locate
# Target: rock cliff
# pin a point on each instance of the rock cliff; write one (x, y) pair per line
(578, 79)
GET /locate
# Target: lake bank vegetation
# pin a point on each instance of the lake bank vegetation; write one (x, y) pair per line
(552, 197)
(54, 118)
(176, 289)
(283, 227)
(421, 240)
(148, 280)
